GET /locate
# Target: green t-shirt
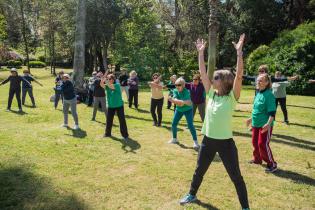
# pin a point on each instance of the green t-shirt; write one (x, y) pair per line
(184, 95)
(114, 97)
(218, 119)
(264, 103)
(279, 89)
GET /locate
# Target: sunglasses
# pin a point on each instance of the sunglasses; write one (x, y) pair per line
(178, 85)
(216, 77)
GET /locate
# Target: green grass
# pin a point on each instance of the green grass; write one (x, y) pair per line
(43, 166)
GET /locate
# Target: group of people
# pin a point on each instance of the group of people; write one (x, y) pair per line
(223, 90)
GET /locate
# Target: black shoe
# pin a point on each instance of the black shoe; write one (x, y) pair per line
(286, 122)
(154, 124)
(107, 135)
(271, 169)
(158, 125)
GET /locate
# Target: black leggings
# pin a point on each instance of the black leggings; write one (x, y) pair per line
(17, 93)
(122, 121)
(157, 104)
(228, 154)
(133, 96)
(283, 105)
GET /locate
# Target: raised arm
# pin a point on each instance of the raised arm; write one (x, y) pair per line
(5, 81)
(237, 86)
(201, 45)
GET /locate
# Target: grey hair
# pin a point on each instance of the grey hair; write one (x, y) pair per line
(227, 80)
(180, 81)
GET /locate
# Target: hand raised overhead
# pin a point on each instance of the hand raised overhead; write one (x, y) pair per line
(238, 46)
(200, 45)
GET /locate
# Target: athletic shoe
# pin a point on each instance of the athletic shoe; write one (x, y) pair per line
(286, 122)
(158, 125)
(125, 139)
(93, 119)
(254, 162)
(76, 127)
(196, 145)
(20, 110)
(64, 125)
(271, 169)
(246, 209)
(8, 110)
(173, 141)
(188, 199)
(107, 135)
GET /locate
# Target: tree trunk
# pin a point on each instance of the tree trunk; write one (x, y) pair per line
(105, 48)
(24, 34)
(79, 46)
(213, 31)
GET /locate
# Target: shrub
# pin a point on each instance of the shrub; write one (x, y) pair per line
(14, 64)
(37, 64)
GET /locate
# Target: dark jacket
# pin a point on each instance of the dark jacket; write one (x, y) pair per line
(15, 82)
(68, 90)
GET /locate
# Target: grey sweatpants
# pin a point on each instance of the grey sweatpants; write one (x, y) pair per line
(73, 106)
(201, 109)
(97, 101)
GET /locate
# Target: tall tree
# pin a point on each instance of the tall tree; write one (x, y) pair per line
(79, 46)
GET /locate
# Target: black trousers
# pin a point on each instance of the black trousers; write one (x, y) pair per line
(17, 93)
(133, 96)
(122, 121)
(30, 93)
(283, 105)
(229, 156)
(58, 95)
(156, 104)
(90, 97)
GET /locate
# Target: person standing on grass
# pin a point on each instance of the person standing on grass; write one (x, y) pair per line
(26, 88)
(91, 88)
(115, 105)
(15, 88)
(181, 97)
(123, 80)
(157, 99)
(99, 96)
(70, 100)
(263, 114)
(58, 92)
(224, 91)
(171, 87)
(198, 96)
(279, 91)
(133, 83)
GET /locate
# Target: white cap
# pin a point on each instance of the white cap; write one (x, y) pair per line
(66, 75)
(13, 69)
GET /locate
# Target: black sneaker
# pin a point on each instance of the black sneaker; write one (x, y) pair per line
(271, 169)
(107, 135)
(286, 122)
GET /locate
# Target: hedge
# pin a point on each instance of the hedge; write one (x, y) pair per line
(37, 64)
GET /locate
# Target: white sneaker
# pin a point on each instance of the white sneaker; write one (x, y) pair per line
(173, 141)
(76, 127)
(196, 145)
(64, 126)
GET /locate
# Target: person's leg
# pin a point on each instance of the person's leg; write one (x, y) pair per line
(24, 90)
(277, 102)
(95, 107)
(202, 111)
(18, 98)
(189, 118)
(264, 148)
(90, 99)
(66, 105)
(57, 97)
(109, 121)
(159, 110)
(130, 98)
(194, 109)
(30, 93)
(136, 99)
(177, 116)
(229, 156)
(10, 98)
(206, 154)
(73, 106)
(127, 91)
(122, 122)
(256, 153)
(152, 110)
(283, 105)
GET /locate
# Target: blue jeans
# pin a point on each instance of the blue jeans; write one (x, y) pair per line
(189, 117)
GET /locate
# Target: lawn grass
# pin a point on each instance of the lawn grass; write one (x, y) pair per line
(43, 166)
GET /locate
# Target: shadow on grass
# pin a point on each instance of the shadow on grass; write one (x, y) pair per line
(18, 112)
(142, 111)
(305, 107)
(302, 125)
(170, 128)
(295, 177)
(29, 106)
(132, 144)
(21, 189)
(79, 133)
(205, 205)
(283, 139)
(149, 120)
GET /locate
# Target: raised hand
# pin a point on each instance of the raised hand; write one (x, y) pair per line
(200, 45)
(238, 46)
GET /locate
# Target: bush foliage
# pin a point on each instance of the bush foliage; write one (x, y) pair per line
(293, 52)
(14, 63)
(37, 64)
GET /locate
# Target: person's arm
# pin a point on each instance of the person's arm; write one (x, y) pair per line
(271, 109)
(237, 86)
(26, 81)
(248, 122)
(311, 81)
(201, 45)
(5, 81)
(37, 81)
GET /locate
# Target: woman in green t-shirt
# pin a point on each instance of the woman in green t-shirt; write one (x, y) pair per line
(181, 97)
(115, 104)
(217, 127)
